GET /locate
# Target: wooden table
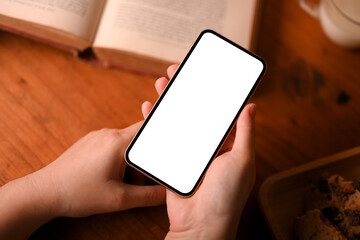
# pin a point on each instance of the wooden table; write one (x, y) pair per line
(308, 107)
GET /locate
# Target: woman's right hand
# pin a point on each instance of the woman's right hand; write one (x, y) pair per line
(214, 211)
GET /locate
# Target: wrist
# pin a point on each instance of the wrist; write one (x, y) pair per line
(26, 203)
(45, 195)
(35, 195)
(224, 228)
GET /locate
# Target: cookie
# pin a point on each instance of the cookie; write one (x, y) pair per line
(313, 225)
(338, 202)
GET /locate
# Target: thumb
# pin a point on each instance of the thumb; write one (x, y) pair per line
(244, 143)
(144, 196)
(129, 132)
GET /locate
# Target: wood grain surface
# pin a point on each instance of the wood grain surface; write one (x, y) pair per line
(308, 107)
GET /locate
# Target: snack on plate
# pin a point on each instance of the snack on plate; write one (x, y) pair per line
(313, 225)
(332, 210)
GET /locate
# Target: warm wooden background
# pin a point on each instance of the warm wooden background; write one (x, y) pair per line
(308, 107)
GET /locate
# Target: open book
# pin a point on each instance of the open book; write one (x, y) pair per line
(140, 35)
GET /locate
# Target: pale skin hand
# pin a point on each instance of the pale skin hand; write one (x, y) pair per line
(213, 212)
(86, 179)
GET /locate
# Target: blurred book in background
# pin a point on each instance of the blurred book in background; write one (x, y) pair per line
(139, 35)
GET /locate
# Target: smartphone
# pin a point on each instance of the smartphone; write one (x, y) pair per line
(193, 116)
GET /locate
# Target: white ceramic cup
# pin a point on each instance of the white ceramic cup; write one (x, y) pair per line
(340, 19)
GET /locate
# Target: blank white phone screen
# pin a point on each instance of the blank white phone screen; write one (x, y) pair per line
(187, 126)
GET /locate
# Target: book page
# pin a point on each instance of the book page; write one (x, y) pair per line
(78, 17)
(166, 29)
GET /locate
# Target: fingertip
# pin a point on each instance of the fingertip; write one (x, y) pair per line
(248, 114)
(145, 104)
(252, 109)
(129, 132)
(160, 84)
(159, 80)
(172, 69)
(146, 108)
